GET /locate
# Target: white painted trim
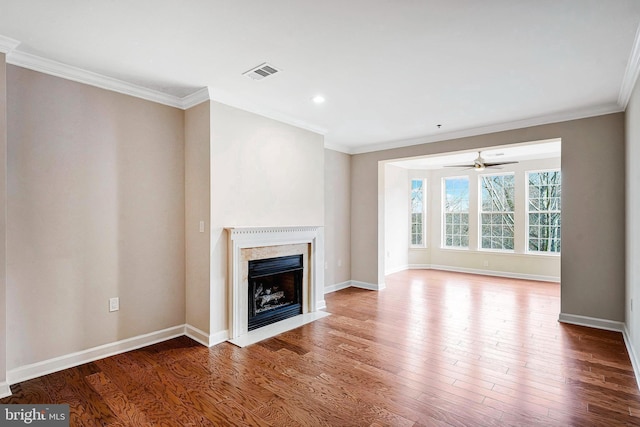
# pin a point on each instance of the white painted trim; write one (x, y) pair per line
(337, 287)
(368, 286)
(38, 369)
(598, 110)
(630, 73)
(419, 267)
(591, 322)
(218, 337)
(507, 274)
(337, 147)
(196, 98)
(635, 362)
(7, 44)
(197, 335)
(607, 325)
(58, 69)
(239, 238)
(5, 390)
(396, 269)
(277, 328)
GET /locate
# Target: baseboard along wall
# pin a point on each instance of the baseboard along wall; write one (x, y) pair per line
(45, 367)
(607, 325)
(66, 361)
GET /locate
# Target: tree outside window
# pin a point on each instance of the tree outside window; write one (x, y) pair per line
(497, 204)
(543, 209)
(418, 226)
(456, 212)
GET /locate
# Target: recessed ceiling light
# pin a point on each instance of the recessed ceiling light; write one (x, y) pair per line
(318, 99)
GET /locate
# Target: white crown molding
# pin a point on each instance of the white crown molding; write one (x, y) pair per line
(58, 69)
(630, 73)
(337, 147)
(196, 98)
(583, 113)
(7, 44)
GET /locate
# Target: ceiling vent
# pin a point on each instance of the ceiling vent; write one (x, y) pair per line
(261, 71)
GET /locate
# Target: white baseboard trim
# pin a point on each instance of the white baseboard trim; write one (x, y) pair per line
(607, 325)
(322, 305)
(218, 337)
(635, 362)
(337, 287)
(592, 322)
(419, 267)
(197, 335)
(396, 269)
(507, 274)
(369, 286)
(5, 390)
(38, 369)
(354, 284)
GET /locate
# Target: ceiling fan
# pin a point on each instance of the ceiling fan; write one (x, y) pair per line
(479, 164)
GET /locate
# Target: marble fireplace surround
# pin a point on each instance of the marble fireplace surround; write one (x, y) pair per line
(249, 243)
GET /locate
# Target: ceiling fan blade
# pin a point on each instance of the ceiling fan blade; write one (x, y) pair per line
(459, 166)
(490, 164)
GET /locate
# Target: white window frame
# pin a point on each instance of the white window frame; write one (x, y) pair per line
(443, 224)
(527, 212)
(481, 211)
(424, 213)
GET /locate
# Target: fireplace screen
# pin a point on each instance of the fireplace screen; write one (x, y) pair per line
(275, 290)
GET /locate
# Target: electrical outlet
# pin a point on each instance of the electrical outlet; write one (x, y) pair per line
(201, 227)
(339, 263)
(485, 263)
(114, 304)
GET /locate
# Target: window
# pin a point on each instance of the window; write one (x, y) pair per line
(456, 212)
(497, 194)
(418, 214)
(543, 210)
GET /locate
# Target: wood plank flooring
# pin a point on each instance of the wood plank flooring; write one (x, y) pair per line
(433, 349)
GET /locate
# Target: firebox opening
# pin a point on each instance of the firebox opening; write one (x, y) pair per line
(275, 290)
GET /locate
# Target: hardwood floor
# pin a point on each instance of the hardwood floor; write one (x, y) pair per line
(433, 349)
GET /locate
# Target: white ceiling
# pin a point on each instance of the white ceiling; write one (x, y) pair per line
(389, 70)
(513, 152)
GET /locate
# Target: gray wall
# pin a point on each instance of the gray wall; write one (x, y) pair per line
(3, 217)
(593, 252)
(197, 123)
(337, 217)
(95, 210)
(633, 219)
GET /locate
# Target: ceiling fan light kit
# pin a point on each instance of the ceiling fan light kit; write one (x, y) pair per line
(479, 164)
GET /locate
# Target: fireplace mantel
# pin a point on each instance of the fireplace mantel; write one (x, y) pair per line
(240, 238)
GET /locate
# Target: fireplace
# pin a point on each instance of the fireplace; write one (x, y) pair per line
(275, 290)
(301, 282)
